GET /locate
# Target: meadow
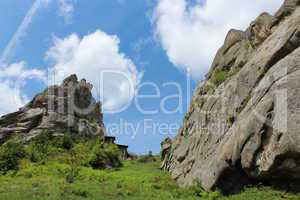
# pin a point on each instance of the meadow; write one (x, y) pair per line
(134, 181)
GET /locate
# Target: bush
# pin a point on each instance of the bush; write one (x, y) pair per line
(67, 142)
(80, 192)
(10, 155)
(147, 158)
(38, 149)
(105, 156)
(200, 192)
(83, 152)
(219, 76)
(74, 163)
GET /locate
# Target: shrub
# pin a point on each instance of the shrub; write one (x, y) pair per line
(200, 192)
(147, 158)
(105, 156)
(219, 76)
(73, 171)
(83, 152)
(38, 149)
(211, 195)
(67, 142)
(80, 192)
(10, 155)
(113, 154)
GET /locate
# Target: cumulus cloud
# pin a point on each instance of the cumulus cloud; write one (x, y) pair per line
(20, 71)
(12, 79)
(192, 34)
(97, 58)
(10, 98)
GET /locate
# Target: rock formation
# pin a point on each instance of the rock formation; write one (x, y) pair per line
(244, 120)
(69, 107)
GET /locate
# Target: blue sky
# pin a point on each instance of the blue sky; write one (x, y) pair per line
(153, 41)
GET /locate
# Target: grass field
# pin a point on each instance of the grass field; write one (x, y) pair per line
(134, 181)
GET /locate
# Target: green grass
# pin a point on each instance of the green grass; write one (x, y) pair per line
(262, 193)
(134, 181)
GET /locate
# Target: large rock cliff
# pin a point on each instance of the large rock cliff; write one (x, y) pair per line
(243, 124)
(69, 107)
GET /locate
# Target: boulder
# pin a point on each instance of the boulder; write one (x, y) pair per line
(286, 9)
(260, 29)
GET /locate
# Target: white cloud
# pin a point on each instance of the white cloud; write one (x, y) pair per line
(191, 35)
(9, 97)
(12, 79)
(66, 9)
(90, 56)
(19, 71)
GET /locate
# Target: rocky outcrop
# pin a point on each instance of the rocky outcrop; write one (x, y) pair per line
(69, 107)
(243, 124)
(166, 146)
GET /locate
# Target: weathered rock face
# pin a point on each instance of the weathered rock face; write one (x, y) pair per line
(244, 120)
(165, 151)
(68, 107)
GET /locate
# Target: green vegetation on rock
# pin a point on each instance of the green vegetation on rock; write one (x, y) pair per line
(219, 76)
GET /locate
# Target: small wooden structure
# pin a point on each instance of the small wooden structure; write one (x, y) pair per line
(124, 151)
(123, 148)
(109, 139)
